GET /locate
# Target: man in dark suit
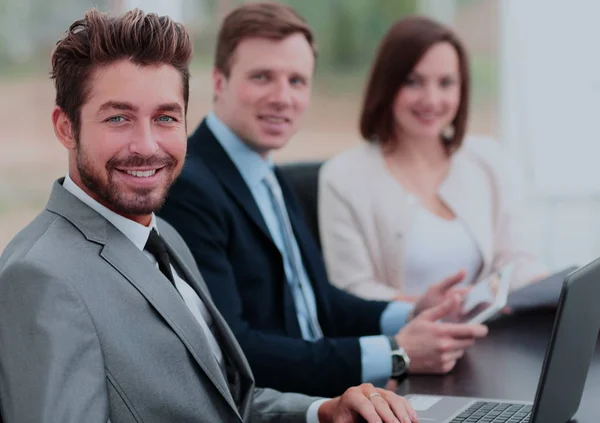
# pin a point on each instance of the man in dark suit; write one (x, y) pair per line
(104, 316)
(244, 227)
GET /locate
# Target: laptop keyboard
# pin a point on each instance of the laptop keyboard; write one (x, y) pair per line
(494, 412)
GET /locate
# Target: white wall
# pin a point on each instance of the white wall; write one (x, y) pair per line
(550, 119)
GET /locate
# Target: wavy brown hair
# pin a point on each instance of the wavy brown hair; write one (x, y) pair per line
(98, 40)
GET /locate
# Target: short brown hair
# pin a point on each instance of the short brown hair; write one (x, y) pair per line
(270, 20)
(401, 49)
(98, 40)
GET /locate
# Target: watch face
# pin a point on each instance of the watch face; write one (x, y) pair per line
(398, 365)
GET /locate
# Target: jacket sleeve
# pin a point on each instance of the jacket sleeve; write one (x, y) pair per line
(271, 406)
(51, 365)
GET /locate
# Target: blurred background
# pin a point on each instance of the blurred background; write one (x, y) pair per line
(499, 34)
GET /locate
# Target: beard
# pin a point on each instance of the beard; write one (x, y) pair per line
(121, 198)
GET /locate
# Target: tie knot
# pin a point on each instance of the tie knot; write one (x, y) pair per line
(155, 244)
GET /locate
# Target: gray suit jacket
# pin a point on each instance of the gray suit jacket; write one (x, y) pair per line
(91, 331)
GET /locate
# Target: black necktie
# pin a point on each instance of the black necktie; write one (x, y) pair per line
(156, 246)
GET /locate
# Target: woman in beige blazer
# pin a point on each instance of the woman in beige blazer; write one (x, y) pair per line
(415, 204)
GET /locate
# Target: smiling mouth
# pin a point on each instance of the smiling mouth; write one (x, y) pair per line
(141, 173)
(274, 119)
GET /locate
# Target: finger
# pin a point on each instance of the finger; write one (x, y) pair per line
(449, 345)
(401, 408)
(364, 407)
(383, 408)
(453, 355)
(438, 312)
(452, 280)
(447, 366)
(462, 331)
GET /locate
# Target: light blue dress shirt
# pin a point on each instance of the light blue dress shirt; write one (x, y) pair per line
(376, 359)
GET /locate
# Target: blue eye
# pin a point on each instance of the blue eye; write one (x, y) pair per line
(298, 81)
(165, 119)
(115, 119)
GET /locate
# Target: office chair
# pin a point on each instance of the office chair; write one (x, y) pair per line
(304, 180)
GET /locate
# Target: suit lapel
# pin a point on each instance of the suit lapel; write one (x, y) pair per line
(204, 145)
(159, 292)
(244, 380)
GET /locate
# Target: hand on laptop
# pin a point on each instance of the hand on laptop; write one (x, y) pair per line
(367, 403)
(434, 346)
(440, 292)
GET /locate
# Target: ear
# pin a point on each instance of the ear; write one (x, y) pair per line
(63, 128)
(219, 80)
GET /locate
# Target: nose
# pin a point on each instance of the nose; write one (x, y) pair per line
(431, 94)
(281, 94)
(143, 140)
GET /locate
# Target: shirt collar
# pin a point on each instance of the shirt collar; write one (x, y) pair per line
(250, 164)
(137, 233)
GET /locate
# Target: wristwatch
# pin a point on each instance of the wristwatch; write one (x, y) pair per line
(400, 360)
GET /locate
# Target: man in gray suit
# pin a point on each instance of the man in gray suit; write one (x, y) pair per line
(104, 315)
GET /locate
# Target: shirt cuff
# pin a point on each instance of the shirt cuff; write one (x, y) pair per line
(394, 317)
(312, 414)
(376, 359)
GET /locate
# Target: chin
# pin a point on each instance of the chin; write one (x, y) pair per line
(273, 143)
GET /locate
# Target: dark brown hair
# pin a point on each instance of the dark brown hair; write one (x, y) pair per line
(98, 40)
(270, 20)
(401, 49)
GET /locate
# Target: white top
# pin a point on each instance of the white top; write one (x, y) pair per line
(138, 234)
(437, 248)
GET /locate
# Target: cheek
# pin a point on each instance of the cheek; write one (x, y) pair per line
(248, 96)
(175, 143)
(100, 146)
(404, 100)
(301, 101)
(453, 98)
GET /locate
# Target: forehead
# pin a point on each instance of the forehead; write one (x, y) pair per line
(439, 58)
(293, 54)
(143, 86)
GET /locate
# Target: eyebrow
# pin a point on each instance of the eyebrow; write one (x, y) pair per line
(170, 107)
(120, 105)
(117, 105)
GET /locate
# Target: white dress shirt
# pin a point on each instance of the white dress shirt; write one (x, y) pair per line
(437, 248)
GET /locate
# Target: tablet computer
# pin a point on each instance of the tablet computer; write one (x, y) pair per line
(486, 298)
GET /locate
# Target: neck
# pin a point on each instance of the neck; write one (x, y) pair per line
(262, 153)
(419, 154)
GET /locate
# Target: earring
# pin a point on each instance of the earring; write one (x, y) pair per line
(448, 132)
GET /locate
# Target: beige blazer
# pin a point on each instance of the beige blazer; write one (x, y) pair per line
(364, 214)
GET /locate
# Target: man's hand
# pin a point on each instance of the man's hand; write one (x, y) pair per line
(367, 403)
(433, 346)
(440, 292)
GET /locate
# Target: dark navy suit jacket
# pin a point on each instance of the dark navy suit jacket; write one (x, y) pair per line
(211, 206)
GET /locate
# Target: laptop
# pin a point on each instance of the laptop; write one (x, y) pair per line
(568, 358)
